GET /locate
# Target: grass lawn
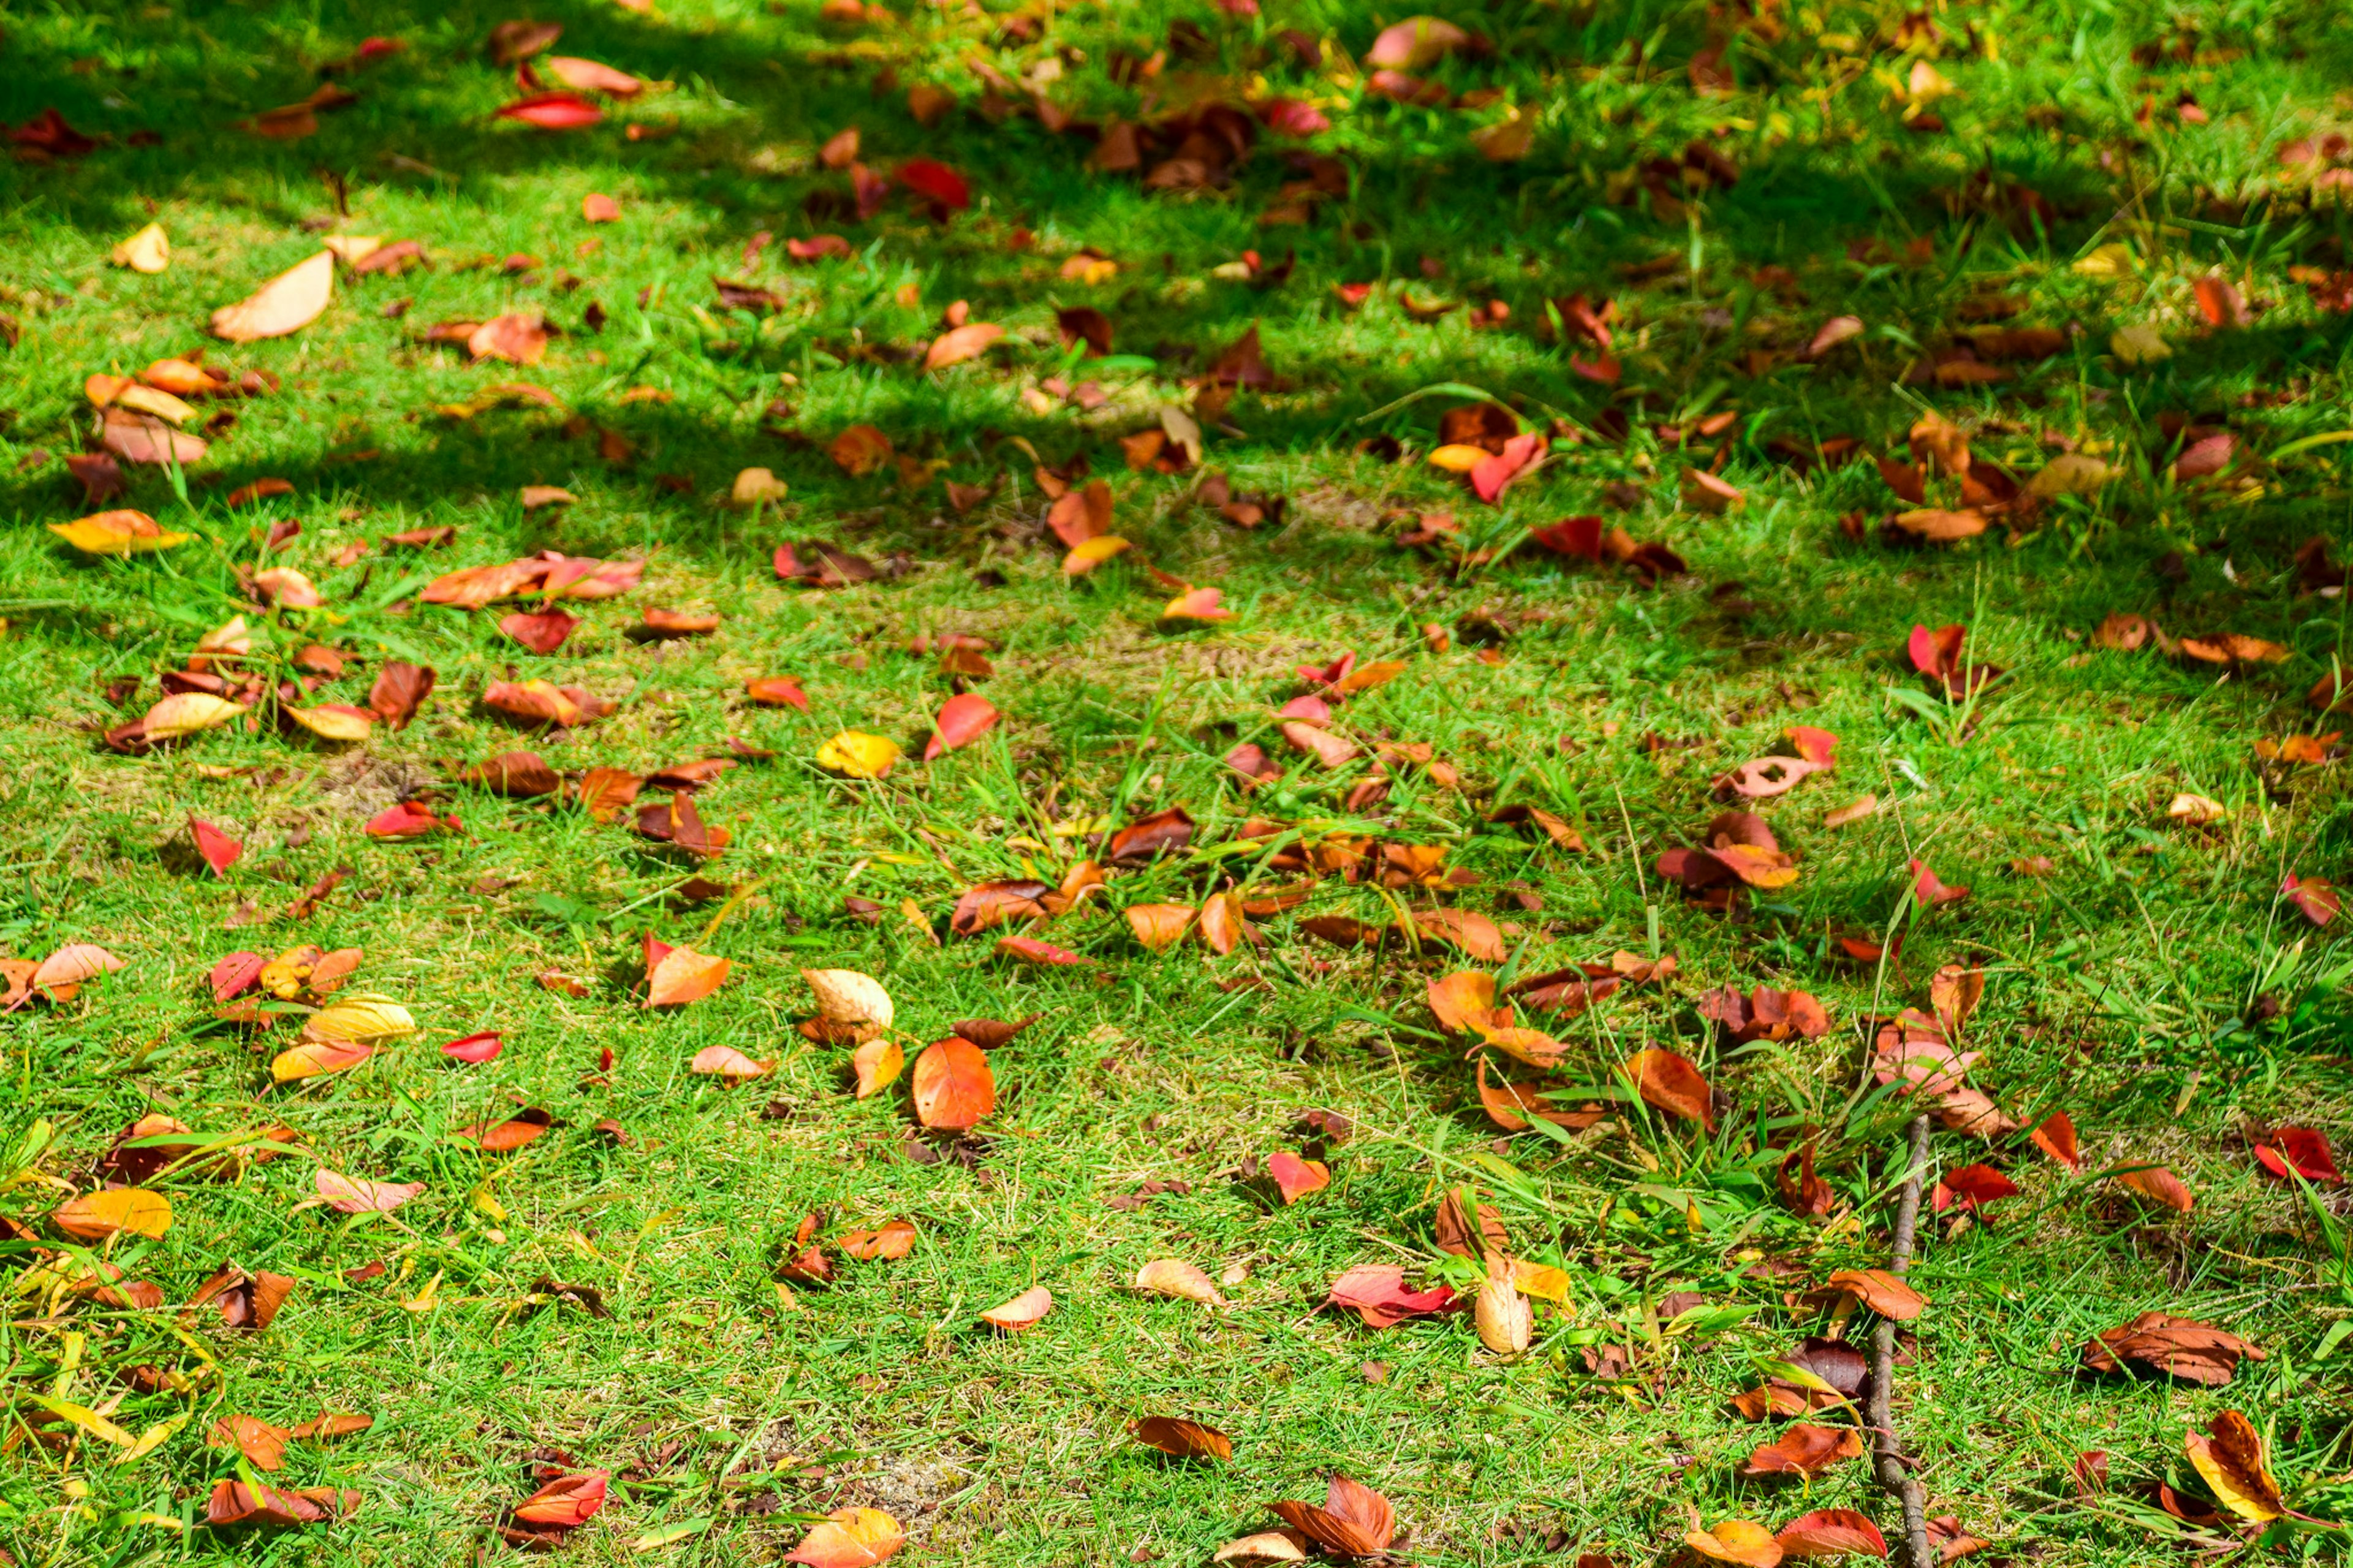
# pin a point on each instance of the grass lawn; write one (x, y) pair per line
(1817, 323)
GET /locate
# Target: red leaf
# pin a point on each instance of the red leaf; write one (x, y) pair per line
(937, 181)
(2318, 900)
(478, 1048)
(236, 974)
(961, 721)
(406, 820)
(2298, 1149)
(1830, 1532)
(1297, 1177)
(1974, 1185)
(542, 632)
(1571, 536)
(1030, 949)
(2056, 1138)
(1927, 891)
(553, 111)
(1934, 652)
(1377, 1292)
(219, 850)
(566, 1502)
(1497, 469)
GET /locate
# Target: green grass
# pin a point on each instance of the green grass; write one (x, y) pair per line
(2154, 985)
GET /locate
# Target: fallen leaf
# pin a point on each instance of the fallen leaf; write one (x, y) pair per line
(727, 1062)
(2159, 1186)
(1671, 1083)
(676, 975)
(121, 532)
(849, 1538)
(2168, 1346)
(961, 344)
(1021, 1312)
(2233, 1464)
(1882, 1291)
(2299, 1151)
(149, 250)
(1295, 1177)
(287, 303)
(962, 719)
(1830, 1532)
(95, 1216)
(1354, 1520)
(1803, 1449)
(1173, 1276)
(954, 1087)
(351, 1195)
(1182, 1439)
(1736, 1541)
(859, 755)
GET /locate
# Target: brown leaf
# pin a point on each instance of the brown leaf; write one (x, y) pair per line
(1882, 1291)
(1354, 1520)
(2167, 1346)
(1182, 1439)
(257, 1440)
(1803, 1449)
(517, 775)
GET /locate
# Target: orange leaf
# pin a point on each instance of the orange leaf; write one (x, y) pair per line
(849, 1538)
(681, 974)
(961, 344)
(1882, 1291)
(2159, 1186)
(94, 1216)
(877, 1063)
(1021, 1312)
(953, 1085)
(727, 1062)
(1672, 1084)
(287, 303)
(1296, 1177)
(1159, 926)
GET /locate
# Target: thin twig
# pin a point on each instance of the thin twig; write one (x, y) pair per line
(1888, 1460)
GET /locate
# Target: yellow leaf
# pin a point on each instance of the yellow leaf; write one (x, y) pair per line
(148, 400)
(331, 722)
(185, 713)
(423, 1301)
(122, 532)
(359, 1018)
(2140, 343)
(83, 1417)
(858, 755)
(149, 1440)
(149, 250)
(94, 1216)
(1458, 459)
(2111, 260)
(1089, 554)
